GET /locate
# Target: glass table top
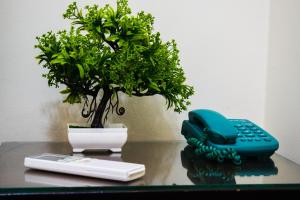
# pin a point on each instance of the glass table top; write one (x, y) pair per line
(169, 166)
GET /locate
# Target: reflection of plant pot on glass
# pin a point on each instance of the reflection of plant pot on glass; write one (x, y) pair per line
(107, 52)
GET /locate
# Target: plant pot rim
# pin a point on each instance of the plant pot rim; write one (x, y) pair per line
(107, 126)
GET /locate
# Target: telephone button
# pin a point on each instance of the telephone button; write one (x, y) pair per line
(246, 131)
(238, 125)
(249, 125)
(262, 135)
(250, 135)
(258, 131)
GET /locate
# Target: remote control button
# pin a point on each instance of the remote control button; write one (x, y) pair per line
(243, 140)
(84, 160)
(70, 159)
(240, 135)
(257, 139)
(267, 139)
(250, 139)
(254, 128)
(242, 128)
(258, 131)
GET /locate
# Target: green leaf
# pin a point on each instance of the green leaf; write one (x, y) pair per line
(54, 55)
(47, 49)
(138, 37)
(58, 61)
(122, 43)
(98, 28)
(81, 70)
(65, 91)
(108, 24)
(152, 61)
(65, 54)
(113, 38)
(73, 54)
(164, 85)
(72, 98)
(111, 11)
(81, 52)
(154, 86)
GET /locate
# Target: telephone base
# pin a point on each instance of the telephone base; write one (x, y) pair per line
(252, 141)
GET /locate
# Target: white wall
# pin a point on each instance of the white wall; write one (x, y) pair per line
(223, 48)
(283, 80)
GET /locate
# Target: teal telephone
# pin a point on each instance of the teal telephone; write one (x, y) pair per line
(219, 138)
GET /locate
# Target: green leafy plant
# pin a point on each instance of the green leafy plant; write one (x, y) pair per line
(108, 51)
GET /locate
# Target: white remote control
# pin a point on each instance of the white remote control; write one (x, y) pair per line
(106, 169)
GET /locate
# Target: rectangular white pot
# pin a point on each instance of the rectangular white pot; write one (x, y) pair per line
(111, 138)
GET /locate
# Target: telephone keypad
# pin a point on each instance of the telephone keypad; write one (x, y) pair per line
(249, 132)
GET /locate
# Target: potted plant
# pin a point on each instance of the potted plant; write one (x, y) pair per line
(106, 52)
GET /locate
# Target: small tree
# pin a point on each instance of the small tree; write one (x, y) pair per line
(108, 51)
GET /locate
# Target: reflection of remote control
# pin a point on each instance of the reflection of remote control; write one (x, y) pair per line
(68, 180)
(115, 170)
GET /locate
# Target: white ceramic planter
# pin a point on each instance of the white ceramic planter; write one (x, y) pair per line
(112, 137)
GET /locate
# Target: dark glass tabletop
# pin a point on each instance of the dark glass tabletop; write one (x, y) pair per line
(170, 166)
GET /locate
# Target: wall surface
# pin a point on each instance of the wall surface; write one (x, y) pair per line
(283, 80)
(223, 49)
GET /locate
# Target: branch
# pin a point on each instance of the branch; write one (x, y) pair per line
(86, 91)
(113, 45)
(80, 21)
(136, 93)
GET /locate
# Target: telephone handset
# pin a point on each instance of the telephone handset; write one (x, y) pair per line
(241, 136)
(218, 128)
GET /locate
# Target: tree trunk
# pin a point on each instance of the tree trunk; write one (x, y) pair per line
(97, 121)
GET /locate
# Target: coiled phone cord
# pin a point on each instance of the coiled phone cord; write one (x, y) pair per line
(213, 153)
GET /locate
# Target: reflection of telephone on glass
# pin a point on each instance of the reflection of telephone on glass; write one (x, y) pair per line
(205, 171)
(219, 138)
